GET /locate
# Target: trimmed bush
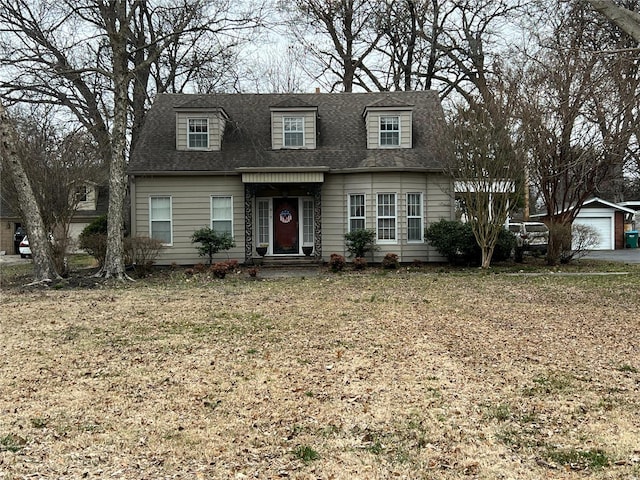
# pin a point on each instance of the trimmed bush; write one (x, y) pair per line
(211, 242)
(360, 242)
(336, 262)
(359, 263)
(455, 241)
(390, 261)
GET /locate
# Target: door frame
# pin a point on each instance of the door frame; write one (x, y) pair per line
(271, 230)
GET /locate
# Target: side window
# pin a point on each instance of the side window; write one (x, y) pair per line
(198, 133)
(222, 215)
(357, 219)
(160, 224)
(386, 218)
(415, 230)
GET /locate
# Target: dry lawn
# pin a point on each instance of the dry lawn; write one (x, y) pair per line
(357, 376)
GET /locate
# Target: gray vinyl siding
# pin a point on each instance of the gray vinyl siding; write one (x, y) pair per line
(191, 210)
(373, 128)
(216, 129)
(277, 129)
(437, 203)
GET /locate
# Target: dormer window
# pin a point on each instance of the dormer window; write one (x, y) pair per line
(389, 124)
(81, 193)
(293, 131)
(200, 127)
(198, 133)
(389, 131)
(293, 125)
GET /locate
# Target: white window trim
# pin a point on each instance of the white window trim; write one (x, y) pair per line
(269, 219)
(189, 147)
(349, 217)
(304, 223)
(421, 217)
(284, 132)
(211, 219)
(170, 219)
(399, 117)
(387, 241)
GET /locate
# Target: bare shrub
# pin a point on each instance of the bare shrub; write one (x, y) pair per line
(141, 252)
(584, 238)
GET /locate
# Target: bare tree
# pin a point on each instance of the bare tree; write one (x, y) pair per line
(58, 163)
(91, 55)
(575, 131)
(487, 173)
(44, 268)
(339, 36)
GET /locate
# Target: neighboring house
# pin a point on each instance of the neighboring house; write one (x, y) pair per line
(607, 219)
(290, 171)
(92, 203)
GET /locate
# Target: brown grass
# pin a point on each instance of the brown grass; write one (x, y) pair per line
(364, 376)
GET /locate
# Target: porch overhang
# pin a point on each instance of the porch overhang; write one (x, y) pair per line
(283, 175)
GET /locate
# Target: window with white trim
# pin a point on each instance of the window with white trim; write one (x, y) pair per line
(222, 215)
(357, 219)
(160, 224)
(386, 217)
(414, 217)
(198, 133)
(389, 131)
(293, 128)
(307, 222)
(263, 222)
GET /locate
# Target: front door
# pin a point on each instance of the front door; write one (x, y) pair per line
(285, 226)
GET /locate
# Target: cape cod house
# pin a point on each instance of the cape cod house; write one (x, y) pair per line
(292, 173)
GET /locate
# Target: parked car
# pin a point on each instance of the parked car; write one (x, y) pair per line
(23, 247)
(530, 237)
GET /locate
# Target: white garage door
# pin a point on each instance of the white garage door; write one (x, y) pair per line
(602, 226)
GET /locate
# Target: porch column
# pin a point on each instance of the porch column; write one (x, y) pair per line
(317, 220)
(249, 195)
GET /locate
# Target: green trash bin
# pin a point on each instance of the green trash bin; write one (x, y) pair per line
(631, 239)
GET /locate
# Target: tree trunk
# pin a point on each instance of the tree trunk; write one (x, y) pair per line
(43, 266)
(559, 238)
(627, 20)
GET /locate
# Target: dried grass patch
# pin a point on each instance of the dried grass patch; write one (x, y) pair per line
(350, 376)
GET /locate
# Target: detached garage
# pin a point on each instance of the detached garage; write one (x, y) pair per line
(608, 219)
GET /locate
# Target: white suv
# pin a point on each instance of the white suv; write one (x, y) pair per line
(530, 237)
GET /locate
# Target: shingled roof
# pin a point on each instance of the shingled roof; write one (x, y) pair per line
(341, 142)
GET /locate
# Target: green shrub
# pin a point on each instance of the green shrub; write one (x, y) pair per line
(93, 239)
(504, 246)
(336, 262)
(455, 241)
(211, 242)
(360, 242)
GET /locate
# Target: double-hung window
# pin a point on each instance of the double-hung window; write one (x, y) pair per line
(389, 131)
(357, 219)
(160, 219)
(222, 215)
(414, 217)
(386, 217)
(198, 133)
(293, 131)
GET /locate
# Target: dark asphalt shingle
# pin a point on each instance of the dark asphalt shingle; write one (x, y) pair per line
(247, 140)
